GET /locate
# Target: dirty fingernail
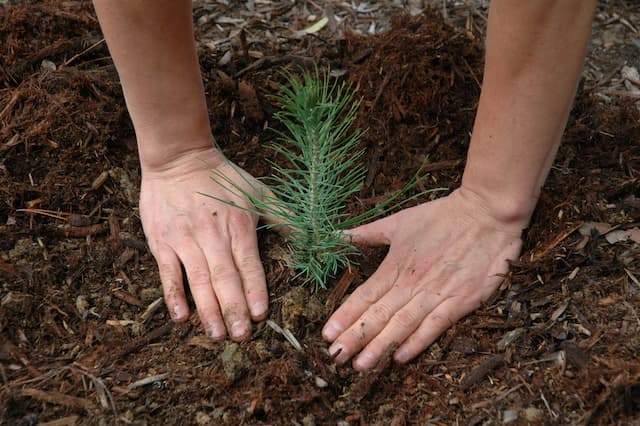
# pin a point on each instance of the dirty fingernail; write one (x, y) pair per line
(336, 351)
(178, 313)
(331, 331)
(258, 309)
(216, 331)
(239, 329)
(364, 361)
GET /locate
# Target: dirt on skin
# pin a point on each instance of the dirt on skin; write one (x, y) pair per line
(85, 338)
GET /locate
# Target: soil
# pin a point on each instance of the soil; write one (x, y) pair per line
(85, 338)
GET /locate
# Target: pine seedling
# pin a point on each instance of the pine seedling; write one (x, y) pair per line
(323, 171)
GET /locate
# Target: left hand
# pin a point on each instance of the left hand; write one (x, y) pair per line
(445, 258)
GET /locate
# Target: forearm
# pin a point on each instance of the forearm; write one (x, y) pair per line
(535, 53)
(152, 45)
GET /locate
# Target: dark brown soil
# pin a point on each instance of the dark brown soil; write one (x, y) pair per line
(80, 325)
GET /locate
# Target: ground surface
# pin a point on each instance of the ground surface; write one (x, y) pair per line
(85, 338)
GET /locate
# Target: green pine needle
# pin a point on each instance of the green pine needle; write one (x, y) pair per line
(324, 171)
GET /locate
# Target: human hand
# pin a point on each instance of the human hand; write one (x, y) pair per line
(445, 258)
(216, 243)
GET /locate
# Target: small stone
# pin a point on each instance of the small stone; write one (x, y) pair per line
(321, 383)
(234, 361)
(202, 418)
(48, 65)
(532, 414)
(150, 294)
(509, 416)
(82, 305)
(342, 423)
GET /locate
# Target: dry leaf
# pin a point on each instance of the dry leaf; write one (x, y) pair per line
(623, 235)
(587, 228)
(312, 29)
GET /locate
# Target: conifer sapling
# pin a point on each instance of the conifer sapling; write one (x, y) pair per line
(323, 171)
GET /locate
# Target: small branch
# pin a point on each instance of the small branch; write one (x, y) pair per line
(58, 398)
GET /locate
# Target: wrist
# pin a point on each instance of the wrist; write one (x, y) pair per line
(164, 139)
(507, 210)
(183, 159)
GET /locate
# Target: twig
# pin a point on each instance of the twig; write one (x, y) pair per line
(560, 238)
(286, 334)
(87, 50)
(482, 370)
(546, 404)
(140, 342)
(147, 381)
(341, 288)
(384, 84)
(151, 309)
(62, 421)
(58, 398)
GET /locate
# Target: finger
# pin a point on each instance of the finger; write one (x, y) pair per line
(226, 282)
(360, 300)
(172, 285)
(370, 324)
(376, 233)
(437, 322)
(398, 328)
(195, 265)
(246, 257)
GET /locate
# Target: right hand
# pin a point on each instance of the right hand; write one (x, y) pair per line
(216, 243)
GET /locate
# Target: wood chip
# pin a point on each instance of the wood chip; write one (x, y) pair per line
(58, 398)
(63, 421)
(479, 372)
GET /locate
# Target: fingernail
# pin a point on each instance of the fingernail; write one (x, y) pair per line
(258, 309)
(216, 332)
(364, 361)
(178, 313)
(239, 329)
(401, 355)
(331, 331)
(337, 353)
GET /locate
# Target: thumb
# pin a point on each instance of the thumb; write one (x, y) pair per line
(376, 233)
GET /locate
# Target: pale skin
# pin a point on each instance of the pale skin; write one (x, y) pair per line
(445, 256)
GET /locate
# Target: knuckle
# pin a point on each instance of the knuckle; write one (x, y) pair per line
(198, 278)
(182, 227)
(381, 313)
(241, 220)
(368, 294)
(222, 272)
(250, 266)
(441, 321)
(166, 270)
(405, 318)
